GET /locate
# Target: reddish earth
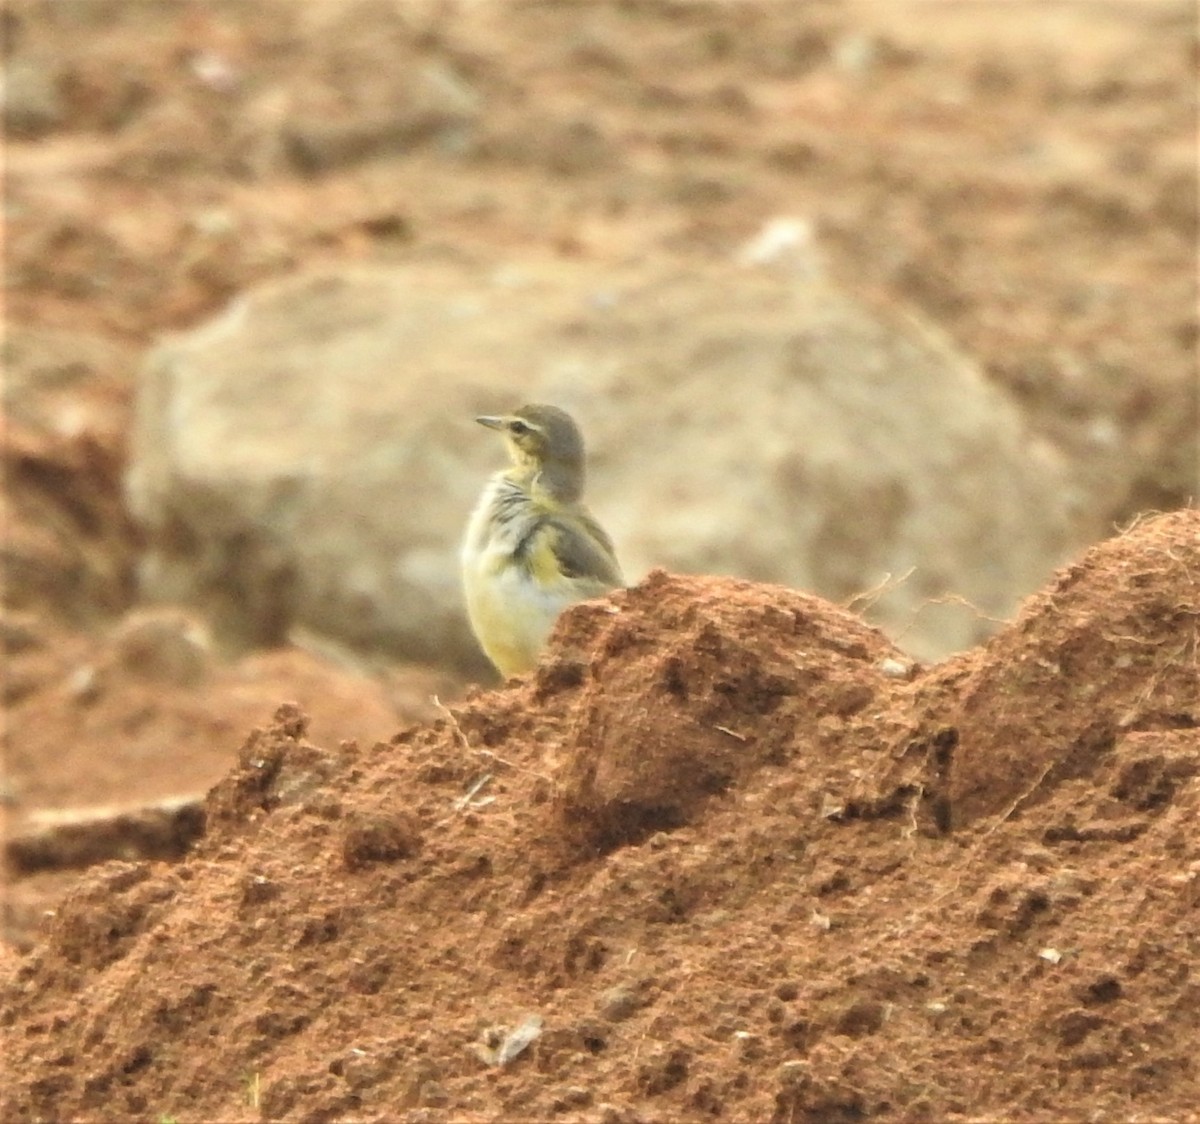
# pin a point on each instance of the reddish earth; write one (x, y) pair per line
(741, 858)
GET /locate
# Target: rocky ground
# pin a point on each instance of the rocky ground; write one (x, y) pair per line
(731, 852)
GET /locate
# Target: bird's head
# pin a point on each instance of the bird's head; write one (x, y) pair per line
(545, 446)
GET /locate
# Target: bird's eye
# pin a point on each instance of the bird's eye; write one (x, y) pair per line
(519, 428)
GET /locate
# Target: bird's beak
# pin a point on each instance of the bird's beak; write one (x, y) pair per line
(491, 422)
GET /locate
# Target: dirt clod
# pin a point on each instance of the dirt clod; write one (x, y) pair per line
(358, 937)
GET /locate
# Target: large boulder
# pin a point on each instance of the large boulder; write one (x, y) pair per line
(308, 459)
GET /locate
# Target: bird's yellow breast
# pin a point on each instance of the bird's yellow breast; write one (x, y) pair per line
(512, 604)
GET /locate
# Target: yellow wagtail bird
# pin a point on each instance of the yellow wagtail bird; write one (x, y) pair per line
(531, 547)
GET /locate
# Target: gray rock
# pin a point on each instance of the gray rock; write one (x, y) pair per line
(308, 458)
(164, 645)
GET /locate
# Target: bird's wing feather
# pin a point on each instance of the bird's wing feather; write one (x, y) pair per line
(584, 552)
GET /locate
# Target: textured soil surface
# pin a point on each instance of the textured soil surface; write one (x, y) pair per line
(726, 851)
(729, 854)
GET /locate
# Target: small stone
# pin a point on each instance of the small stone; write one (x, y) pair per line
(748, 1046)
(83, 684)
(164, 645)
(617, 1003)
(895, 669)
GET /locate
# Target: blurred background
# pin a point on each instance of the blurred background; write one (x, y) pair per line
(893, 302)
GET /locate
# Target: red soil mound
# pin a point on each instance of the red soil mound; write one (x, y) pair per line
(738, 860)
